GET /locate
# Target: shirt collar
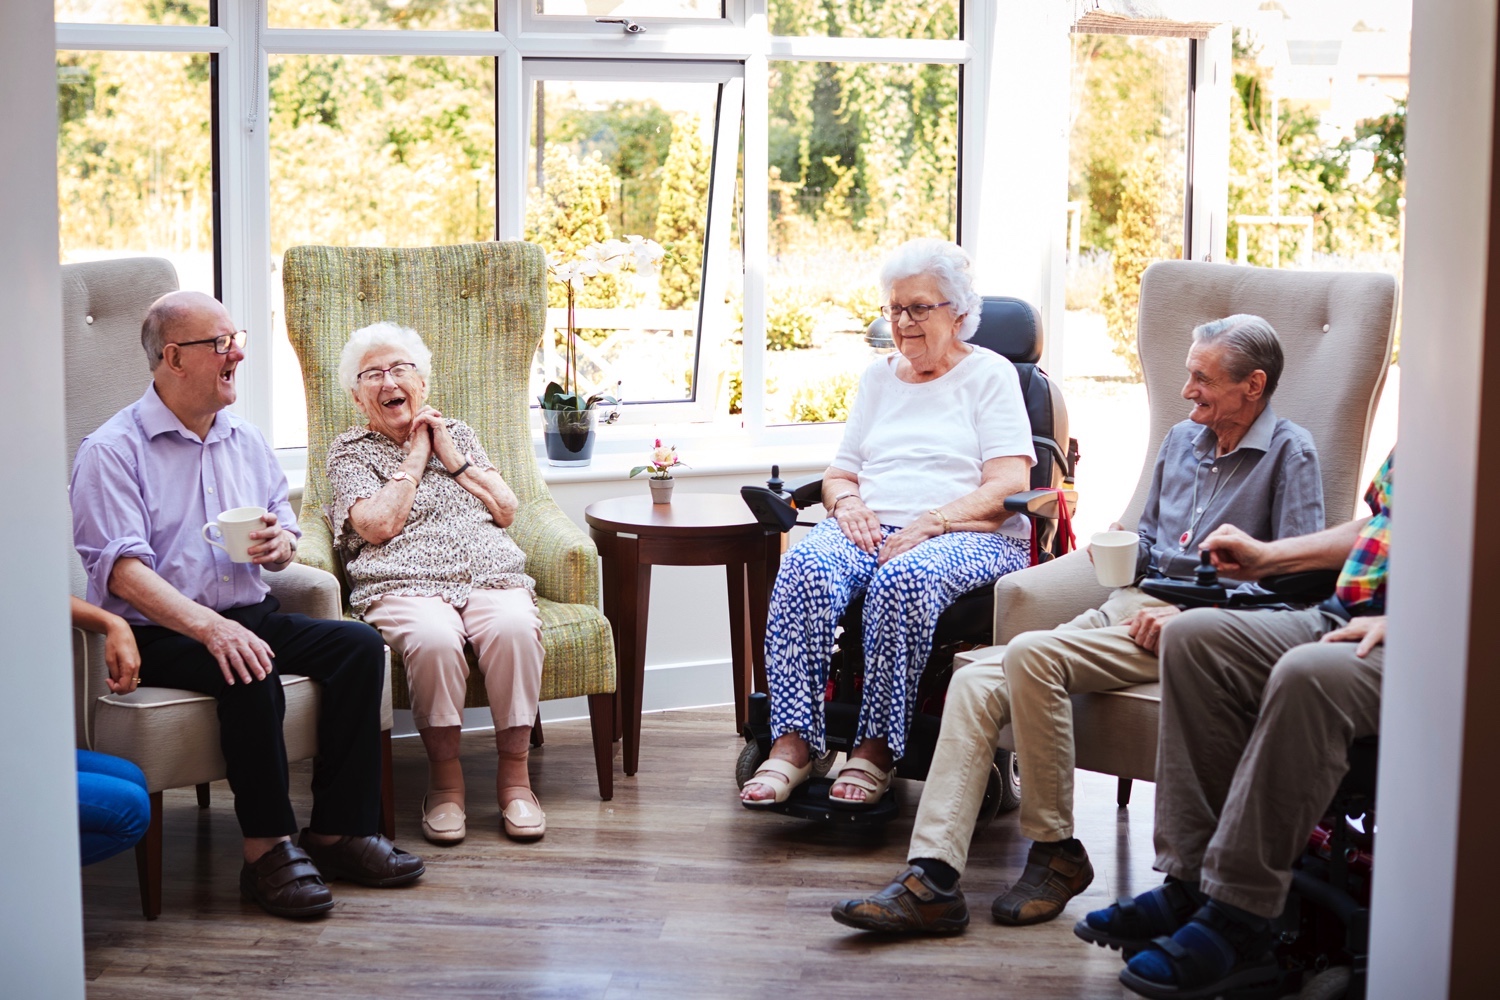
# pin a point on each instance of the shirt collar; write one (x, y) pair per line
(157, 419)
(1257, 438)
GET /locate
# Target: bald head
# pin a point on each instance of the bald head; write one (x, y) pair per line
(171, 316)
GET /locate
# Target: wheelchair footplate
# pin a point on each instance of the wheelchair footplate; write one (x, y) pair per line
(810, 801)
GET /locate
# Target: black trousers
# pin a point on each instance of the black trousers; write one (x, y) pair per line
(346, 658)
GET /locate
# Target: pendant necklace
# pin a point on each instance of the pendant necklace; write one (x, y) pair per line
(1197, 518)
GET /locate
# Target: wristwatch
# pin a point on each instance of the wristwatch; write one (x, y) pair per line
(942, 517)
(842, 496)
(401, 474)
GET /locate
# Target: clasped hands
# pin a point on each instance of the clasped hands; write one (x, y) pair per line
(429, 436)
(860, 525)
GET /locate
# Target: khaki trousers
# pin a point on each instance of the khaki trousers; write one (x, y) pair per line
(1027, 685)
(506, 632)
(1256, 720)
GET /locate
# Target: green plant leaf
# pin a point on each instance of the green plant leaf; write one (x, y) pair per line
(637, 471)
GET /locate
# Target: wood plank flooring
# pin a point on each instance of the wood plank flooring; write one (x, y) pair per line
(671, 890)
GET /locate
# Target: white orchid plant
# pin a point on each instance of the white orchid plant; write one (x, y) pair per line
(602, 257)
(663, 460)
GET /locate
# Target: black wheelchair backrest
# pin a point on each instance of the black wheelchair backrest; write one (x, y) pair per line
(1013, 328)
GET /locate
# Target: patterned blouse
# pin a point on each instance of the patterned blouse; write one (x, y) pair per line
(1361, 586)
(449, 545)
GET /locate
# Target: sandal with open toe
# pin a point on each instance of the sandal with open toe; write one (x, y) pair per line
(782, 777)
(861, 774)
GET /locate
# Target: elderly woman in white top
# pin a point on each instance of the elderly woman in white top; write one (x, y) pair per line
(421, 514)
(937, 439)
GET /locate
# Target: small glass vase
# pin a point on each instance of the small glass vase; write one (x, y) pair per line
(569, 436)
(661, 489)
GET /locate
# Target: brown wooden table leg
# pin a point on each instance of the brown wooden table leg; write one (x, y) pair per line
(739, 639)
(635, 596)
(762, 573)
(609, 571)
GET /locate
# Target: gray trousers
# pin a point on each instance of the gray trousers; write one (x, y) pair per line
(1256, 720)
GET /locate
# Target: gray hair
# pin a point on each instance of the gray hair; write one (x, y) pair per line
(949, 264)
(164, 314)
(1252, 343)
(383, 334)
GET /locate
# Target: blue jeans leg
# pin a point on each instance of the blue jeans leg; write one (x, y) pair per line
(113, 807)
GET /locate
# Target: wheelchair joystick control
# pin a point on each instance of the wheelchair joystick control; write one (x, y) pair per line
(1206, 574)
(775, 483)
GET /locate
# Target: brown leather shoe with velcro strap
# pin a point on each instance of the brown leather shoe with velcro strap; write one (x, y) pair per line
(285, 883)
(1053, 875)
(372, 861)
(909, 905)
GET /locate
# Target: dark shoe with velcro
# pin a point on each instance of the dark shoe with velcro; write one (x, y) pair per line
(372, 861)
(1208, 956)
(286, 883)
(910, 905)
(1132, 923)
(1053, 875)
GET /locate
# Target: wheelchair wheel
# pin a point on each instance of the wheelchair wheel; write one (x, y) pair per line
(989, 806)
(1010, 784)
(1330, 984)
(748, 762)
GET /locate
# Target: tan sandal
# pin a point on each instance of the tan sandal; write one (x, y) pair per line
(444, 823)
(861, 774)
(524, 820)
(785, 779)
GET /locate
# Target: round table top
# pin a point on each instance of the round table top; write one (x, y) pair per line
(688, 514)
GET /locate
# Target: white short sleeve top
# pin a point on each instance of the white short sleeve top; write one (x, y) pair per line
(916, 446)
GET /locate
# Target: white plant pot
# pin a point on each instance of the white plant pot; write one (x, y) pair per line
(661, 490)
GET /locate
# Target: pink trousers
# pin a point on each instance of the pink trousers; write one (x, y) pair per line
(506, 632)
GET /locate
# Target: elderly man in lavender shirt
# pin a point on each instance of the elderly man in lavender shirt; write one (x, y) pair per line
(144, 484)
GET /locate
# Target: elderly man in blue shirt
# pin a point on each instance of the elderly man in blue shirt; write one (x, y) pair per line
(144, 485)
(1233, 461)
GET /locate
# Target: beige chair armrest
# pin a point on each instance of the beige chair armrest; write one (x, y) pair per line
(315, 547)
(560, 556)
(1045, 596)
(303, 590)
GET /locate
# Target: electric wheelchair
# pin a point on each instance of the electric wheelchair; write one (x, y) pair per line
(1012, 328)
(1323, 934)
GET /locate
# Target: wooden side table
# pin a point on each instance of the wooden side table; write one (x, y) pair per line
(695, 529)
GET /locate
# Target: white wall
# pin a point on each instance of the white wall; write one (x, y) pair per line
(41, 927)
(1448, 185)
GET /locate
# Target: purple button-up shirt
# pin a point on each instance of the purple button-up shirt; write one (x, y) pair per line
(144, 486)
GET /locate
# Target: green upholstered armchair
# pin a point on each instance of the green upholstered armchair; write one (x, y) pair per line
(480, 307)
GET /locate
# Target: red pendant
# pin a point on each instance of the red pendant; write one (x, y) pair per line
(1184, 539)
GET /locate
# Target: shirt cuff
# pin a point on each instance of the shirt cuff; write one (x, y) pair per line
(104, 564)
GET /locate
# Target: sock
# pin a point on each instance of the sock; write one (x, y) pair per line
(939, 873)
(445, 782)
(1072, 845)
(511, 775)
(1245, 917)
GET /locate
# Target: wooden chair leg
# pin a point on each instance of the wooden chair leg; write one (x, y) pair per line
(387, 787)
(203, 796)
(536, 730)
(1122, 793)
(602, 724)
(148, 862)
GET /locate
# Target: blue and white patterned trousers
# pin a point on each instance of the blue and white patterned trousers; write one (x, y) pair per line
(817, 580)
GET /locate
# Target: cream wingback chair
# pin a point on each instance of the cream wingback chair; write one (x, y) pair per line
(172, 735)
(480, 307)
(1336, 329)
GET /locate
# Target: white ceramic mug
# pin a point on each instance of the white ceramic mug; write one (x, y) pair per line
(1115, 554)
(234, 526)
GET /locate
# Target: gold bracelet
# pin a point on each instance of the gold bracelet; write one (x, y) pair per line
(947, 527)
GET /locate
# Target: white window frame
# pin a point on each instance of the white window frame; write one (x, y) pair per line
(244, 41)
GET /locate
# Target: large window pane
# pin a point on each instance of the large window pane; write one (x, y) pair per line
(1127, 182)
(374, 151)
(633, 8)
(134, 161)
(611, 159)
(132, 11)
(864, 156)
(865, 18)
(432, 15)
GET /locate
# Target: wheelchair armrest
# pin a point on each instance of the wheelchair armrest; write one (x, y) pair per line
(806, 492)
(1308, 587)
(771, 511)
(1040, 503)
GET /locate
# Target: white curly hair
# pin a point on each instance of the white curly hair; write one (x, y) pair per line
(949, 264)
(377, 335)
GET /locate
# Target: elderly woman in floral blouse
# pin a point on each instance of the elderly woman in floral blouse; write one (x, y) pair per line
(421, 514)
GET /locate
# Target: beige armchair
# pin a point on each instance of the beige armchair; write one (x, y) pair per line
(172, 735)
(1337, 330)
(480, 307)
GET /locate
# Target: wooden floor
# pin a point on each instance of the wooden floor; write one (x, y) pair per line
(671, 890)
